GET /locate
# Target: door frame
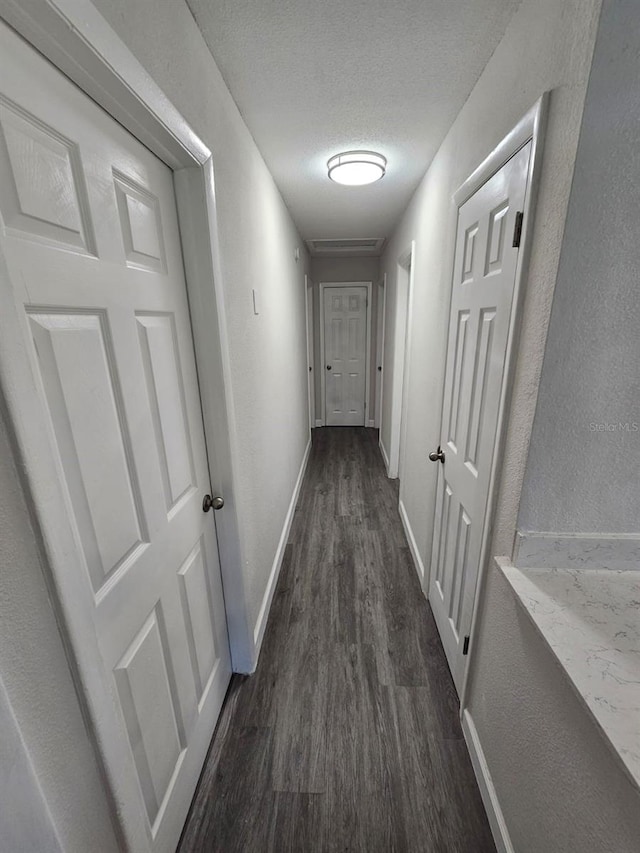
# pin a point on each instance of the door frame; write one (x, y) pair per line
(311, 382)
(530, 128)
(380, 330)
(405, 266)
(76, 39)
(367, 392)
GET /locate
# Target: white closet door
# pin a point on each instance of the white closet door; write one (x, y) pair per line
(483, 286)
(94, 275)
(345, 346)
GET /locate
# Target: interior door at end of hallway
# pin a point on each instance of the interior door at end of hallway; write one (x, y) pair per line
(345, 351)
(480, 322)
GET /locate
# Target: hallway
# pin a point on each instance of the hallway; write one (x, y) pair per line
(347, 736)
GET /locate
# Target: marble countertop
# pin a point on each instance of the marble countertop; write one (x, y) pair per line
(591, 620)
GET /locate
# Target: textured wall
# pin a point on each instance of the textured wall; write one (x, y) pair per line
(344, 269)
(583, 471)
(39, 688)
(25, 821)
(258, 239)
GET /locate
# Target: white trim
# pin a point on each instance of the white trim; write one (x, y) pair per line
(195, 195)
(531, 128)
(487, 788)
(371, 423)
(406, 263)
(410, 258)
(382, 306)
(311, 384)
(75, 37)
(385, 455)
(263, 615)
(411, 539)
(319, 422)
(323, 389)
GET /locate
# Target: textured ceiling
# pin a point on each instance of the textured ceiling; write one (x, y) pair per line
(315, 78)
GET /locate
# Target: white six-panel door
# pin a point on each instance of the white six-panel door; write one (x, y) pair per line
(345, 354)
(482, 301)
(94, 275)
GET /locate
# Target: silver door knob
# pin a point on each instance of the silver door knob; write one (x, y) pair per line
(437, 455)
(212, 503)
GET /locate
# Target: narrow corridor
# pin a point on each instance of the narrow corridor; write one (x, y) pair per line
(347, 737)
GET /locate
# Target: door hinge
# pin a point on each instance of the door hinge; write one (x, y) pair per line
(465, 646)
(517, 229)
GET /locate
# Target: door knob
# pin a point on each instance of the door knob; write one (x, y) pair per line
(212, 503)
(328, 367)
(437, 455)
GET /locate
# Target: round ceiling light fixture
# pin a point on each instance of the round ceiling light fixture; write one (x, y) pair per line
(356, 168)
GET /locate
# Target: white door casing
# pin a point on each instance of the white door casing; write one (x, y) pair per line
(345, 346)
(310, 366)
(401, 347)
(484, 280)
(406, 360)
(97, 334)
(382, 295)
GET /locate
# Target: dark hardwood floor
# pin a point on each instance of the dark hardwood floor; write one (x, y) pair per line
(347, 737)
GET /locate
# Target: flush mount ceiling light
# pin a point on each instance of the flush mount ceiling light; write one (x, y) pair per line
(355, 168)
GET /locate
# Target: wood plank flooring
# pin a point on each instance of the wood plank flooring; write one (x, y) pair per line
(347, 736)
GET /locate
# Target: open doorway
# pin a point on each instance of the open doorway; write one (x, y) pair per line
(381, 308)
(400, 364)
(310, 364)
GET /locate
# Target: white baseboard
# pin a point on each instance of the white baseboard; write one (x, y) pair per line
(319, 422)
(263, 615)
(371, 424)
(485, 783)
(411, 539)
(385, 457)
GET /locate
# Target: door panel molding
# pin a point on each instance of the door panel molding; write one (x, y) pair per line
(323, 379)
(74, 37)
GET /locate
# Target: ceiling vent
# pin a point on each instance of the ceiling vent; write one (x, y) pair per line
(364, 246)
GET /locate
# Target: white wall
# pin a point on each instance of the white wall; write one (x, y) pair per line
(583, 471)
(257, 239)
(344, 269)
(269, 388)
(558, 785)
